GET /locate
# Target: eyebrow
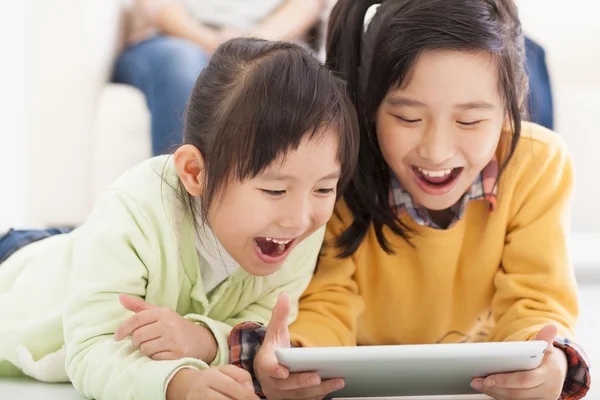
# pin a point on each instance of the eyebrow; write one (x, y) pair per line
(283, 177)
(398, 101)
(475, 104)
(403, 101)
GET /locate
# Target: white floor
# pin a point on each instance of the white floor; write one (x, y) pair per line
(25, 390)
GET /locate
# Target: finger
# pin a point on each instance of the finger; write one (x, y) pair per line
(277, 329)
(211, 394)
(297, 381)
(516, 380)
(547, 334)
(134, 304)
(498, 394)
(227, 386)
(145, 334)
(236, 373)
(319, 391)
(135, 322)
(267, 364)
(152, 347)
(164, 356)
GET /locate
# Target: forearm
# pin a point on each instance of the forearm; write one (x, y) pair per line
(291, 21)
(173, 19)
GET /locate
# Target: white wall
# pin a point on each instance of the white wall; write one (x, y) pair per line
(570, 33)
(13, 89)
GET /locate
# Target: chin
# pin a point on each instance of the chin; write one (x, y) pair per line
(439, 204)
(263, 269)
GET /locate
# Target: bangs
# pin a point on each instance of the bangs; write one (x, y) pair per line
(275, 108)
(256, 101)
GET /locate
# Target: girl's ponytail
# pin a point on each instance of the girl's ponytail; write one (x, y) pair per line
(344, 40)
(347, 55)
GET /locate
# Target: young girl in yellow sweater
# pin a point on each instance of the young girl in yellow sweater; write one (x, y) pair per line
(454, 226)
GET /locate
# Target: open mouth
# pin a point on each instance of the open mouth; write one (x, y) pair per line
(436, 182)
(272, 250)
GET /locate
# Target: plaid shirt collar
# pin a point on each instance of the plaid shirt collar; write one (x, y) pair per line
(483, 188)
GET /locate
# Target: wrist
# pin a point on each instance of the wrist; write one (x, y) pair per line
(256, 369)
(179, 386)
(205, 344)
(564, 362)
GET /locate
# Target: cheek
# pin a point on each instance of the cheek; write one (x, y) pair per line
(395, 141)
(237, 214)
(322, 212)
(480, 149)
(394, 145)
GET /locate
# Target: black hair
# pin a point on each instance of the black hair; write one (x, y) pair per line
(381, 58)
(254, 102)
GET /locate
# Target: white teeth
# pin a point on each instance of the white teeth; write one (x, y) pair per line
(278, 241)
(435, 174)
(281, 248)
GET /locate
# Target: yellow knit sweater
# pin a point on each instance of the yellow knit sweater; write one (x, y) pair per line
(491, 277)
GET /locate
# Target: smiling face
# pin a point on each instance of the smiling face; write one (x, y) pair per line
(441, 129)
(260, 220)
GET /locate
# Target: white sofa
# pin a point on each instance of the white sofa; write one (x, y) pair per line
(83, 130)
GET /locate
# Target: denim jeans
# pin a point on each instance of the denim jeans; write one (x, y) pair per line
(165, 69)
(12, 240)
(541, 110)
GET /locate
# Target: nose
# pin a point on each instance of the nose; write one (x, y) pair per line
(296, 216)
(436, 145)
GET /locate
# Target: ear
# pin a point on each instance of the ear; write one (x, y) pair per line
(189, 164)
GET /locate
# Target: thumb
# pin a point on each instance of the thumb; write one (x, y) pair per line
(277, 330)
(266, 363)
(134, 304)
(547, 334)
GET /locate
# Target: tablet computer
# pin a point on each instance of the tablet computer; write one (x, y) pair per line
(412, 370)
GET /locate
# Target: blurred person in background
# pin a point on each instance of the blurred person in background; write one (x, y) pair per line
(541, 109)
(171, 41)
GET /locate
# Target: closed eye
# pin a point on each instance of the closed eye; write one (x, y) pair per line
(472, 123)
(408, 121)
(274, 193)
(326, 191)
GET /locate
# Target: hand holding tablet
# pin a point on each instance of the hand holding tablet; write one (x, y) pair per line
(413, 370)
(377, 371)
(275, 379)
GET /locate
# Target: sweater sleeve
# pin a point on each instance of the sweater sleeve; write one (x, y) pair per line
(115, 252)
(296, 275)
(330, 306)
(535, 285)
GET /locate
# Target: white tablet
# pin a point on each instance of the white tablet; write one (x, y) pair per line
(413, 370)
